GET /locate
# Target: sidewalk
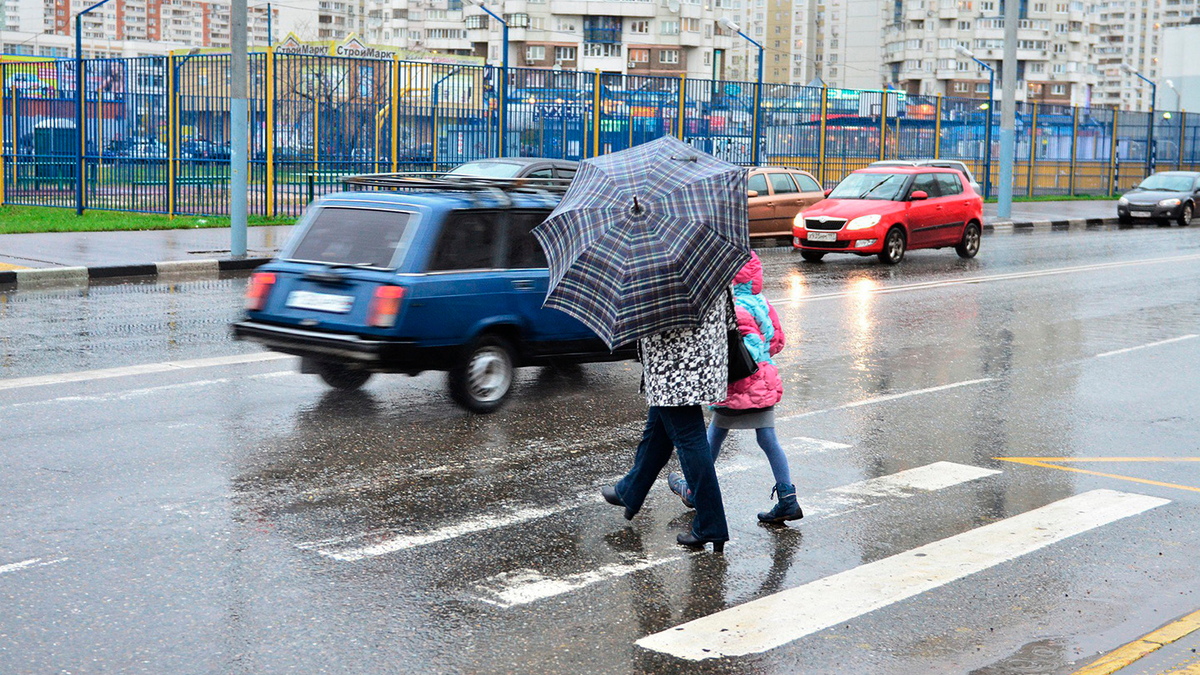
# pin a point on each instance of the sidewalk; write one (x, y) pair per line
(84, 255)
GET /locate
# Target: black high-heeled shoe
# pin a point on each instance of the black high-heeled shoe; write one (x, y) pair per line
(611, 496)
(692, 541)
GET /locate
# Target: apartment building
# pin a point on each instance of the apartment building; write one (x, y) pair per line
(122, 27)
(637, 37)
(787, 29)
(1131, 32)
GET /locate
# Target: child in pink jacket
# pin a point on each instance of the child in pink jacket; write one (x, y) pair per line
(750, 402)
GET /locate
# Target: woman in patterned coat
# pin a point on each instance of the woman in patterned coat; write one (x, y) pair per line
(683, 369)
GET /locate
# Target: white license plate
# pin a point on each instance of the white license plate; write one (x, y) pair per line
(320, 302)
(822, 236)
(1140, 214)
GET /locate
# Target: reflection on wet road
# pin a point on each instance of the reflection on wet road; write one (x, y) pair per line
(170, 505)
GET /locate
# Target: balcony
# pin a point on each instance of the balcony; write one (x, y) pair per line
(606, 35)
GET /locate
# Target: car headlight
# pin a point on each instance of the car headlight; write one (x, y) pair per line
(863, 222)
(1123, 201)
(798, 221)
(1169, 202)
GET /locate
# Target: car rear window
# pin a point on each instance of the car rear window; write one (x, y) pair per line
(782, 183)
(524, 252)
(806, 184)
(468, 242)
(367, 237)
(488, 170)
(949, 184)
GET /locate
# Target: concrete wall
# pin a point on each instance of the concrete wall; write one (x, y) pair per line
(1181, 65)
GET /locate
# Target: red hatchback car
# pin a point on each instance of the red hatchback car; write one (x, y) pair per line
(885, 211)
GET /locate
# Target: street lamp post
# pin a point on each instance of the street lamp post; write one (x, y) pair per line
(80, 104)
(987, 153)
(1178, 96)
(729, 25)
(1150, 158)
(503, 89)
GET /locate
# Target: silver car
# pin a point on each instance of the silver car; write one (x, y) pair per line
(940, 163)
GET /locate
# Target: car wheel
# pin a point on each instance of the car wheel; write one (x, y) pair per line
(342, 377)
(812, 256)
(969, 246)
(483, 380)
(893, 247)
(1124, 219)
(1185, 215)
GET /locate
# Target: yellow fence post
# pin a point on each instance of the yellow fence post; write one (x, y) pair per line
(270, 139)
(172, 131)
(395, 113)
(596, 114)
(821, 150)
(1112, 156)
(1033, 138)
(433, 120)
(316, 129)
(683, 103)
(937, 129)
(882, 124)
(1074, 147)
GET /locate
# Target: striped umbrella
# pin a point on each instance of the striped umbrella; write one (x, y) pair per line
(645, 239)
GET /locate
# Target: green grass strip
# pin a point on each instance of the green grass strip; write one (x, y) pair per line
(24, 219)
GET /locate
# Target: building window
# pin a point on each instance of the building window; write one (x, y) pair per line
(639, 56)
(708, 58)
(566, 25)
(639, 27)
(691, 25)
(962, 87)
(517, 20)
(537, 22)
(474, 22)
(602, 49)
(602, 29)
(1058, 90)
(535, 53)
(668, 56)
(981, 87)
(669, 28)
(564, 54)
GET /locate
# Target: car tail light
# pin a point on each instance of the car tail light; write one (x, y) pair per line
(385, 306)
(260, 287)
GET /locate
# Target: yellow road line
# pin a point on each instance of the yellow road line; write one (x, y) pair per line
(1193, 669)
(1123, 656)
(1108, 459)
(7, 266)
(1029, 461)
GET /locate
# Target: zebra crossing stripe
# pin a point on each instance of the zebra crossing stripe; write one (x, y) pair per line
(755, 627)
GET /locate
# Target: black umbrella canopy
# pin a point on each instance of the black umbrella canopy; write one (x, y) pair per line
(646, 239)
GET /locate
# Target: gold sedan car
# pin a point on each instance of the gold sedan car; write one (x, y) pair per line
(776, 196)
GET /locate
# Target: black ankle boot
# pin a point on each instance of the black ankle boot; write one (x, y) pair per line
(692, 541)
(611, 496)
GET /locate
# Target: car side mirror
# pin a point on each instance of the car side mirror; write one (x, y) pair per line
(751, 193)
(829, 192)
(919, 195)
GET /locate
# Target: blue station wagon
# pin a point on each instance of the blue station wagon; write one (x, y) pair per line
(409, 281)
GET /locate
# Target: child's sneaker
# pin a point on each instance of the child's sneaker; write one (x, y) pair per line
(678, 485)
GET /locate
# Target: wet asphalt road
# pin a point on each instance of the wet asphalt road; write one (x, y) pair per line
(245, 519)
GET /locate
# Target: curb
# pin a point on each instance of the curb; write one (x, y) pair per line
(1067, 225)
(171, 270)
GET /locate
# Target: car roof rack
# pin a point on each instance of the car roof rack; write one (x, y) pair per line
(426, 181)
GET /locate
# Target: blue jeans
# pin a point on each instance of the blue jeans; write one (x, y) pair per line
(767, 440)
(680, 428)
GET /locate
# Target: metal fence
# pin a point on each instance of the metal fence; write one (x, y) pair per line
(156, 130)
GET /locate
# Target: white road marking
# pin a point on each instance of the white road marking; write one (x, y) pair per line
(756, 627)
(1115, 352)
(32, 562)
(1011, 276)
(885, 398)
(524, 586)
(388, 541)
(811, 445)
(143, 369)
(127, 394)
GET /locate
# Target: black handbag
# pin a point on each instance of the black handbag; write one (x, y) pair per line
(741, 363)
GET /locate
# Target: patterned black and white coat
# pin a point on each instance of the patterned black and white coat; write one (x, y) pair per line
(688, 366)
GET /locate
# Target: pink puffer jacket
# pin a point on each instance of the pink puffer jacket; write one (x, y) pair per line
(763, 334)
